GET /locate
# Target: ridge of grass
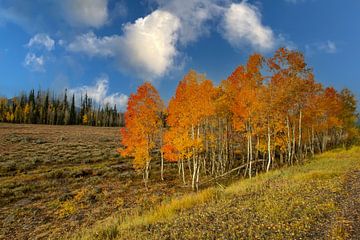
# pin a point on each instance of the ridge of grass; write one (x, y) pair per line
(291, 202)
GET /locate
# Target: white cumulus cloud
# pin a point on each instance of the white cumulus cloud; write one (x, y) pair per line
(42, 40)
(149, 44)
(39, 47)
(147, 47)
(92, 45)
(194, 16)
(34, 63)
(86, 13)
(242, 25)
(100, 93)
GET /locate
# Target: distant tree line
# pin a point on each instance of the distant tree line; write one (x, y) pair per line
(43, 107)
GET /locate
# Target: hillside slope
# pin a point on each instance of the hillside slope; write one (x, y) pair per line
(317, 200)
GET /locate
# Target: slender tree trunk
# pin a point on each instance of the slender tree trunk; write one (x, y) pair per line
(161, 156)
(257, 147)
(207, 151)
(288, 139)
(325, 139)
(251, 152)
(226, 157)
(318, 142)
(300, 136)
(194, 159)
(183, 171)
(194, 174)
(251, 157)
(204, 165)
(179, 168)
(197, 177)
(146, 174)
(213, 161)
(312, 143)
(162, 165)
(213, 153)
(269, 148)
(293, 144)
(247, 165)
(231, 147)
(248, 150)
(189, 166)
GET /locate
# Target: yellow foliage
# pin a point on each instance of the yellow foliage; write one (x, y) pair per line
(85, 119)
(9, 117)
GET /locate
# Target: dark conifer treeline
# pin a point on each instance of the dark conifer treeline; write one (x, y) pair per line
(46, 108)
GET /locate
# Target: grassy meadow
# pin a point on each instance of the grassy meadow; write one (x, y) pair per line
(69, 182)
(58, 179)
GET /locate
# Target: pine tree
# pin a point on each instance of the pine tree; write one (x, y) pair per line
(72, 111)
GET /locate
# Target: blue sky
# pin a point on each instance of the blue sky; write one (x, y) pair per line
(107, 47)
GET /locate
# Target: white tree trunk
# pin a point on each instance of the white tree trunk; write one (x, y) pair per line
(269, 149)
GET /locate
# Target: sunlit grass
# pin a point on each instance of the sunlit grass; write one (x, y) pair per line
(169, 210)
(161, 213)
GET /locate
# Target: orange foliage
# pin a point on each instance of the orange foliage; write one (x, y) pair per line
(285, 114)
(142, 125)
(191, 105)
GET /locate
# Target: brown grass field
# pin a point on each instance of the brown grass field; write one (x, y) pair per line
(57, 179)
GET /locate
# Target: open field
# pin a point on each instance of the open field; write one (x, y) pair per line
(69, 182)
(56, 179)
(319, 200)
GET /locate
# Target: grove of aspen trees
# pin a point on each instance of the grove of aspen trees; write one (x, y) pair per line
(268, 113)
